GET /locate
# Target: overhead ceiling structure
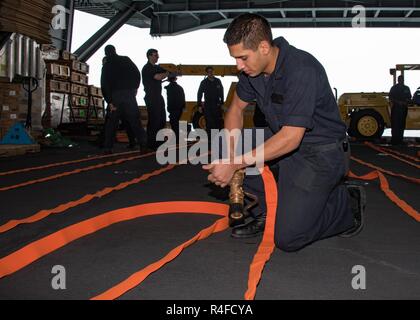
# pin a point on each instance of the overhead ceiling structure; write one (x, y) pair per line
(173, 17)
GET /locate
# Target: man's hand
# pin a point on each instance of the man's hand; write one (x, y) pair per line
(221, 174)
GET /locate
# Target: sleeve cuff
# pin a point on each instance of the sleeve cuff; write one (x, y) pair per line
(244, 97)
(296, 121)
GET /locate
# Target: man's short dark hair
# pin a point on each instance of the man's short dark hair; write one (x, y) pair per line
(110, 50)
(151, 52)
(208, 67)
(249, 29)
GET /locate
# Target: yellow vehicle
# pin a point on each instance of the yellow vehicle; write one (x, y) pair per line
(193, 113)
(365, 114)
(368, 114)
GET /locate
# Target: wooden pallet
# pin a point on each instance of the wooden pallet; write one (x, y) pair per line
(9, 150)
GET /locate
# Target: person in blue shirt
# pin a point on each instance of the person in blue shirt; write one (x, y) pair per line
(306, 140)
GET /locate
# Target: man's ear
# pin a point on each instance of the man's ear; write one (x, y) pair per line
(264, 47)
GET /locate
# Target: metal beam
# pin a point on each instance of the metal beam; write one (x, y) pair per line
(171, 17)
(409, 13)
(194, 16)
(309, 9)
(70, 26)
(102, 35)
(219, 23)
(209, 25)
(223, 15)
(349, 20)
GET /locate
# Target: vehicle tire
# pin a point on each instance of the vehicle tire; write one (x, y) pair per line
(366, 124)
(198, 120)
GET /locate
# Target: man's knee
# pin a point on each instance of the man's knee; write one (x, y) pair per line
(290, 242)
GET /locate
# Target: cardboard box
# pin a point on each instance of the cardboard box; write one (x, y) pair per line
(65, 55)
(59, 104)
(97, 102)
(80, 66)
(95, 91)
(79, 78)
(50, 53)
(79, 101)
(59, 86)
(58, 70)
(79, 90)
(14, 107)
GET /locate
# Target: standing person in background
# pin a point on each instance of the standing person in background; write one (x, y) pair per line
(130, 134)
(153, 75)
(212, 89)
(400, 96)
(120, 80)
(176, 103)
(416, 97)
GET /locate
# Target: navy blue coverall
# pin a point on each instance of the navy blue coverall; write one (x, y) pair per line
(155, 104)
(400, 96)
(213, 101)
(176, 104)
(313, 203)
(120, 80)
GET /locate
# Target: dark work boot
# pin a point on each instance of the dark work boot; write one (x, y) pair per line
(358, 204)
(250, 229)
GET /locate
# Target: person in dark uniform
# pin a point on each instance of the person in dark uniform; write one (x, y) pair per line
(153, 75)
(130, 133)
(416, 97)
(212, 89)
(306, 139)
(176, 102)
(120, 80)
(400, 96)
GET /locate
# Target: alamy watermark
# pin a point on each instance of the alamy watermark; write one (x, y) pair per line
(58, 282)
(359, 20)
(358, 282)
(59, 21)
(227, 146)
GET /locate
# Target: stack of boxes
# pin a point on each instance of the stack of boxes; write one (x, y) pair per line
(14, 105)
(58, 87)
(96, 100)
(79, 90)
(31, 18)
(69, 96)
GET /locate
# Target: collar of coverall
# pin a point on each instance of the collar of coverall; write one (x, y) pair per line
(284, 46)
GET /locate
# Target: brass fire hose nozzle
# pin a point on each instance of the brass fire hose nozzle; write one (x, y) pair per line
(237, 211)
